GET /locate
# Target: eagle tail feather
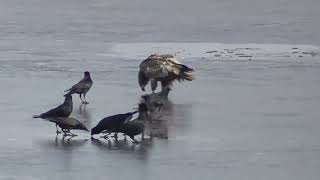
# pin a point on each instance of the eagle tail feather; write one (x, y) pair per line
(185, 73)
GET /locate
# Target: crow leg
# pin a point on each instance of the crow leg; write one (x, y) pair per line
(58, 132)
(64, 132)
(71, 134)
(115, 136)
(85, 100)
(80, 95)
(142, 136)
(134, 140)
(106, 136)
(68, 133)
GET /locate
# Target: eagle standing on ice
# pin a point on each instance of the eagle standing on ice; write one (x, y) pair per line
(164, 68)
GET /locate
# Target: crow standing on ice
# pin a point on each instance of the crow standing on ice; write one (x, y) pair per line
(132, 129)
(112, 123)
(82, 87)
(64, 110)
(164, 68)
(68, 123)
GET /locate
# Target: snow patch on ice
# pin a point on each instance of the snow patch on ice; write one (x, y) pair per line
(217, 51)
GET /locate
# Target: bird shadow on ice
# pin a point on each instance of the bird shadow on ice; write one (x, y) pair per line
(64, 143)
(83, 113)
(164, 116)
(123, 145)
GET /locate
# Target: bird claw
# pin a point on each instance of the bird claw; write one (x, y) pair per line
(136, 142)
(69, 134)
(105, 137)
(115, 136)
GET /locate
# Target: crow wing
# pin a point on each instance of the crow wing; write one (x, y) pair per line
(115, 121)
(56, 112)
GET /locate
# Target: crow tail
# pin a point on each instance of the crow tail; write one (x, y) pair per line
(69, 93)
(67, 90)
(36, 116)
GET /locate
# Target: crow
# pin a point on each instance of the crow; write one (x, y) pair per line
(112, 123)
(82, 87)
(132, 129)
(68, 123)
(64, 110)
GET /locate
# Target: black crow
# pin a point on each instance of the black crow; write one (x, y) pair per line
(164, 68)
(82, 87)
(132, 129)
(112, 123)
(64, 110)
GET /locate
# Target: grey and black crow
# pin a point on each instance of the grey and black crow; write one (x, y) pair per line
(68, 123)
(112, 124)
(82, 87)
(63, 110)
(164, 68)
(132, 129)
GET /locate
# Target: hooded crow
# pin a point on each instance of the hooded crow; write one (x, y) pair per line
(68, 123)
(112, 123)
(63, 110)
(82, 87)
(132, 129)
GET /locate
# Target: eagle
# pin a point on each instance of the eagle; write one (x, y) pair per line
(164, 68)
